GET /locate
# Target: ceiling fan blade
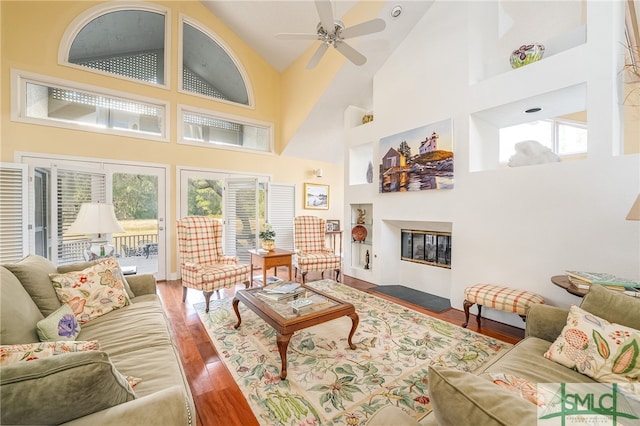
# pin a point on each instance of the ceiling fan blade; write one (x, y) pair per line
(294, 36)
(325, 12)
(373, 26)
(317, 56)
(350, 53)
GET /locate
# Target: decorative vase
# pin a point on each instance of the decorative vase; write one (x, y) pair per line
(269, 245)
(526, 54)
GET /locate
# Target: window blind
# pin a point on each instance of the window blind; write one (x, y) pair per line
(13, 211)
(73, 188)
(281, 209)
(241, 217)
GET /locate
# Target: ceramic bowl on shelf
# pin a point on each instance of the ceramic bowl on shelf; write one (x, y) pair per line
(526, 54)
(359, 233)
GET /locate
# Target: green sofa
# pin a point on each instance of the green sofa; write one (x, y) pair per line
(88, 388)
(459, 398)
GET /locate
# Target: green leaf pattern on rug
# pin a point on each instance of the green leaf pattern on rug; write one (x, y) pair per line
(330, 384)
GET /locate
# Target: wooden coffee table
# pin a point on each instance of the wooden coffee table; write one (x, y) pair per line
(280, 315)
(272, 259)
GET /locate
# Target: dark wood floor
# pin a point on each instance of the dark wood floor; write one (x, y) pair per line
(217, 398)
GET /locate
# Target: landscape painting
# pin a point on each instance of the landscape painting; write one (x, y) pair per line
(418, 159)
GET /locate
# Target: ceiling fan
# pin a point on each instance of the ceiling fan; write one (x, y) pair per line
(332, 32)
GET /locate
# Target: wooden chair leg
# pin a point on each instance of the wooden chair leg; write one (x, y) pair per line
(322, 274)
(304, 276)
(207, 299)
(295, 272)
(184, 294)
(337, 275)
(466, 305)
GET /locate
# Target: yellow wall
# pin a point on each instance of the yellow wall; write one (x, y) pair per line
(30, 36)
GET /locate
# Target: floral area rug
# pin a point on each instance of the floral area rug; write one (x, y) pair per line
(328, 383)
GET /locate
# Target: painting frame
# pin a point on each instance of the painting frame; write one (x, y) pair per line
(316, 196)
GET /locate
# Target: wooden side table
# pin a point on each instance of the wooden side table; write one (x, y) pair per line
(563, 281)
(272, 259)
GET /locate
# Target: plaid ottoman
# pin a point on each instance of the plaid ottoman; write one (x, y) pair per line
(498, 297)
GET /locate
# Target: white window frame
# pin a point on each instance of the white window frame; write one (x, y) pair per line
(90, 14)
(182, 109)
(19, 80)
(245, 77)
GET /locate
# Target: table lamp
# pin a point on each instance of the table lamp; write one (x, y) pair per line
(98, 220)
(634, 213)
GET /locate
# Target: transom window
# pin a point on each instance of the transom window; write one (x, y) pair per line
(216, 130)
(61, 103)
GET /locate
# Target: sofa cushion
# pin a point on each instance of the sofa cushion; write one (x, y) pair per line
(18, 313)
(94, 291)
(613, 306)
(60, 325)
(593, 346)
(11, 354)
(33, 272)
(526, 360)
(61, 388)
(458, 398)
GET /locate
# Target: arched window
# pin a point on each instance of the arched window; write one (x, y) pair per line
(209, 69)
(128, 41)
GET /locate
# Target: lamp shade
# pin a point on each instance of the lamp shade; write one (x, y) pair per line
(95, 218)
(634, 213)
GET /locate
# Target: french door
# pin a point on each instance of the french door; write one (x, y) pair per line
(243, 203)
(137, 191)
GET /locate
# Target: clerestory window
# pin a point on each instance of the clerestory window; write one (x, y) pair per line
(130, 43)
(209, 69)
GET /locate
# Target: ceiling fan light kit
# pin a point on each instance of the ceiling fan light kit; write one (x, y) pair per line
(336, 35)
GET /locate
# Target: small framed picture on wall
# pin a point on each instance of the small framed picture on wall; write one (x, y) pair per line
(316, 196)
(333, 225)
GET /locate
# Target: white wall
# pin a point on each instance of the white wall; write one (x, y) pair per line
(511, 226)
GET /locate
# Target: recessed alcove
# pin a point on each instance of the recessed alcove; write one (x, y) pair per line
(568, 103)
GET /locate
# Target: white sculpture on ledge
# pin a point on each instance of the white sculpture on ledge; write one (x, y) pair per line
(532, 152)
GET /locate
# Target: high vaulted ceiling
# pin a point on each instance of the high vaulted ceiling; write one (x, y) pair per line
(321, 135)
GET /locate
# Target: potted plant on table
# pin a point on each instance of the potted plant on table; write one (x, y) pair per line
(268, 237)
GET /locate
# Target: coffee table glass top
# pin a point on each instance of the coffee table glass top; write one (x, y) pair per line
(283, 308)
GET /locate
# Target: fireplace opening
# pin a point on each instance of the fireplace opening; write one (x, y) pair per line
(427, 247)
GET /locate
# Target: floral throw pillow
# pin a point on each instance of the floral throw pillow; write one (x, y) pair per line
(604, 351)
(10, 354)
(59, 325)
(94, 291)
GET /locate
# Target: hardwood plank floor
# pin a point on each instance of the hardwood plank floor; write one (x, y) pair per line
(217, 398)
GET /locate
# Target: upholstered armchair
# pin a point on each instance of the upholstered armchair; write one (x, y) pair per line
(310, 251)
(202, 264)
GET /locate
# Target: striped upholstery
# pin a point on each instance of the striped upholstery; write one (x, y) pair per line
(202, 263)
(311, 253)
(502, 298)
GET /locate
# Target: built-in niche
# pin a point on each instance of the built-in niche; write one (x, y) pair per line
(427, 247)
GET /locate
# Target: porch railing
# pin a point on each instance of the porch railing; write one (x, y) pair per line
(125, 246)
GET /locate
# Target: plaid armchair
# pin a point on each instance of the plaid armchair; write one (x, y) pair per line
(202, 264)
(310, 251)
